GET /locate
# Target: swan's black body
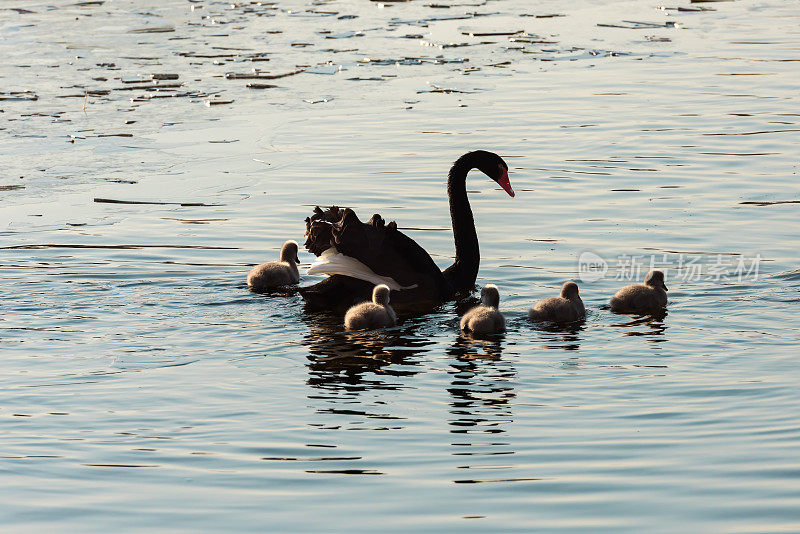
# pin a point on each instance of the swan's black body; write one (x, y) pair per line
(389, 252)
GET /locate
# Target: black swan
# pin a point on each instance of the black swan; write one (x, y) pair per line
(485, 319)
(357, 255)
(647, 298)
(370, 315)
(276, 273)
(564, 309)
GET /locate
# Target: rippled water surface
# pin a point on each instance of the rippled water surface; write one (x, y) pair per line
(152, 152)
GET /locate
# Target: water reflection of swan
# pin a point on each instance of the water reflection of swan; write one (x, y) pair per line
(480, 380)
(340, 359)
(654, 322)
(482, 394)
(470, 348)
(562, 336)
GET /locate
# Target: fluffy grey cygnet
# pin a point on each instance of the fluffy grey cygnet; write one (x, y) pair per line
(647, 298)
(370, 315)
(276, 273)
(564, 309)
(485, 319)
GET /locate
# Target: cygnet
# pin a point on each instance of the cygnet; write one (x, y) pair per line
(370, 315)
(647, 298)
(276, 273)
(485, 319)
(564, 309)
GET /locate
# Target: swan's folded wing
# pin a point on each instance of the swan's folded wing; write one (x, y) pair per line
(381, 247)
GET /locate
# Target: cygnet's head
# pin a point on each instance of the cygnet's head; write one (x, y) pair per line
(380, 295)
(289, 252)
(655, 279)
(490, 296)
(569, 290)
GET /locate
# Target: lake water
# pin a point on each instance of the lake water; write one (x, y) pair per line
(144, 388)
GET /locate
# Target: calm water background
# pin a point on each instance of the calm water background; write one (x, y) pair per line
(144, 388)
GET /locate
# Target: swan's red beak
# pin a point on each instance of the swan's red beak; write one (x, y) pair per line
(504, 183)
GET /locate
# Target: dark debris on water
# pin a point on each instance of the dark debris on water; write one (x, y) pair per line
(153, 202)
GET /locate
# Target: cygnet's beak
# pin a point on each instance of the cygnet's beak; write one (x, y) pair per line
(664, 286)
(504, 182)
(296, 259)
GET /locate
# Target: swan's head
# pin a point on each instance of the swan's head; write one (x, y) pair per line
(289, 252)
(490, 296)
(569, 290)
(655, 279)
(380, 294)
(494, 167)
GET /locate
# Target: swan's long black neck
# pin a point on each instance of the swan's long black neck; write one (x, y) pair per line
(462, 274)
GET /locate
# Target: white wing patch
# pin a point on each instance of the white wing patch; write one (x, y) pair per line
(331, 262)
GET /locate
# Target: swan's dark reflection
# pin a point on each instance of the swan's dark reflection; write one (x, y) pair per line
(340, 360)
(562, 336)
(282, 291)
(482, 396)
(470, 348)
(654, 322)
